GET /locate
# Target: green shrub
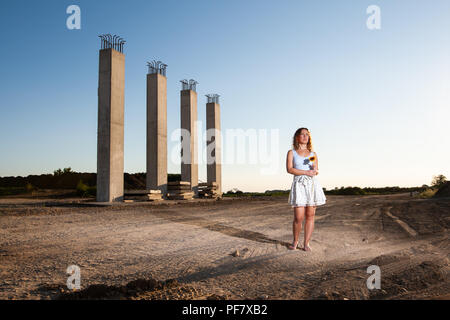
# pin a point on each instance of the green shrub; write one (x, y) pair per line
(84, 190)
(29, 188)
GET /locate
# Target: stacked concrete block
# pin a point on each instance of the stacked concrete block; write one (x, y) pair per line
(208, 190)
(179, 190)
(142, 195)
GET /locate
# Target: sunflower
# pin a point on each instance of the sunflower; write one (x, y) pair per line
(312, 158)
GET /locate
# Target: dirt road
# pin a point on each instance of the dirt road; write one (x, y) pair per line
(194, 242)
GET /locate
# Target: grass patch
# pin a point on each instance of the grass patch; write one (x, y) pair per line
(11, 191)
(428, 193)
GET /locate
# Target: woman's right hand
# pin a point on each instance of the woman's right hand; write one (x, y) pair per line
(311, 173)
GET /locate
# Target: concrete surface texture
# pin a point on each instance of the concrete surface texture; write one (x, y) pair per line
(110, 133)
(189, 157)
(214, 145)
(157, 133)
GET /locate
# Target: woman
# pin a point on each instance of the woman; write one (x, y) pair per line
(306, 191)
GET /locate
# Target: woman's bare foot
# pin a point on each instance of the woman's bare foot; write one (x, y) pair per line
(306, 247)
(293, 246)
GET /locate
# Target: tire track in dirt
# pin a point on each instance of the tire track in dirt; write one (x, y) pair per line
(194, 243)
(403, 224)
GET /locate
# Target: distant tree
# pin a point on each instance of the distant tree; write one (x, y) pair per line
(438, 181)
(68, 170)
(60, 172)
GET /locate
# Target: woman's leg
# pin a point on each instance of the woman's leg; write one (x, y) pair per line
(309, 225)
(299, 214)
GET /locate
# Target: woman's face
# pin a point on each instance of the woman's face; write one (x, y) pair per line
(303, 137)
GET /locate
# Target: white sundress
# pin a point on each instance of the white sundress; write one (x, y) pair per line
(305, 190)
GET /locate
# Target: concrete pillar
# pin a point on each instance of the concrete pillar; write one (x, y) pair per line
(157, 128)
(213, 142)
(111, 91)
(189, 152)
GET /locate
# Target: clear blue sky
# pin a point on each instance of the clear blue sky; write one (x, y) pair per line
(376, 101)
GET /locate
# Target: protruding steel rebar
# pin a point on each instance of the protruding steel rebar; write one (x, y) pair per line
(121, 43)
(115, 42)
(156, 67)
(109, 41)
(188, 84)
(109, 37)
(214, 98)
(184, 84)
(193, 84)
(101, 42)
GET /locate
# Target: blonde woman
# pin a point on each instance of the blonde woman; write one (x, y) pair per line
(306, 192)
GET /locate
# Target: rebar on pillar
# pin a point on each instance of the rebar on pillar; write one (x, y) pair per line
(110, 132)
(213, 142)
(157, 127)
(189, 150)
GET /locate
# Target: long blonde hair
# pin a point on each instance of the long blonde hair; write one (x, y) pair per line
(295, 142)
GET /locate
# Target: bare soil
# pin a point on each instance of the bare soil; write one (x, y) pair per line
(225, 249)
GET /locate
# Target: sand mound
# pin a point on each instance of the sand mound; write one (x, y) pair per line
(102, 291)
(416, 278)
(140, 289)
(443, 191)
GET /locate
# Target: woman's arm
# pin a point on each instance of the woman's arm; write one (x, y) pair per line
(289, 166)
(316, 164)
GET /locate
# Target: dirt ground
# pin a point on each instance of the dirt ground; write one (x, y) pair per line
(184, 249)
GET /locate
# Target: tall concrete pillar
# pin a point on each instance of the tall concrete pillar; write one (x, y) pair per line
(157, 127)
(213, 142)
(111, 92)
(189, 152)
